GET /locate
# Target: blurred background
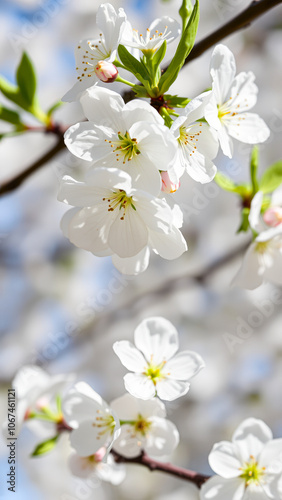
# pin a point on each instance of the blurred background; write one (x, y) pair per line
(57, 307)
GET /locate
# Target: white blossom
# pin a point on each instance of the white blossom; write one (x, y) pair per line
(100, 464)
(197, 142)
(89, 53)
(93, 422)
(117, 219)
(248, 468)
(129, 136)
(153, 37)
(157, 369)
(232, 98)
(143, 427)
(263, 259)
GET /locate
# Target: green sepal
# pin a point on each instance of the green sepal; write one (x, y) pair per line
(176, 101)
(184, 48)
(272, 178)
(244, 220)
(185, 12)
(26, 80)
(45, 446)
(254, 169)
(140, 91)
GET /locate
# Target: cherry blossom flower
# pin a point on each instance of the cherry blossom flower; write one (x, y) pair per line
(159, 30)
(197, 142)
(129, 136)
(100, 465)
(232, 98)
(36, 389)
(263, 259)
(158, 370)
(118, 220)
(106, 72)
(143, 427)
(93, 422)
(89, 53)
(248, 468)
(168, 186)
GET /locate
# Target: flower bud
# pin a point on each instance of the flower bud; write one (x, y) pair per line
(273, 216)
(167, 185)
(106, 71)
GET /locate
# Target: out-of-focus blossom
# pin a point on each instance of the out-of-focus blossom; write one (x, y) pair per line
(248, 468)
(89, 53)
(100, 464)
(93, 422)
(232, 98)
(143, 427)
(158, 370)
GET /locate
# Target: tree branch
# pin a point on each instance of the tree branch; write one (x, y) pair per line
(153, 465)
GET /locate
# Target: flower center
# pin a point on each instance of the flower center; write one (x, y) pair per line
(142, 425)
(97, 52)
(154, 372)
(151, 41)
(106, 422)
(224, 111)
(187, 139)
(261, 247)
(125, 148)
(119, 199)
(273, 216)
(252, 473)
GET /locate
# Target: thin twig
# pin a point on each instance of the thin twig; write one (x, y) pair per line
(168, 468)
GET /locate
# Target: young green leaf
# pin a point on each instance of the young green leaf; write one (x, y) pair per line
(159, 55)
(9, 115)
(26, 79)
(176, 101)
(185, 12)
(132, 64)
(272, 178)
(254, 169)
(184, 48)
(45, 447)
(228, 185)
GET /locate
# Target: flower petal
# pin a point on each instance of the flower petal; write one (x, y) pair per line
(103, 107)
(254, 215)
(129, 408)
(184, 365)
(169, 246)
(248, 128)
(127, 444)
(251, 436)
(128, 234)
(225, 460)
(218, 488)
(87, 439)
(111, 24)
(166, 23)
(162, 437)
(139, 385)
(223, 70)
(133, 265)
(80, 403)
(129, 356)
(270, 457)
(248, 275)
(169, 389)
(157, 338)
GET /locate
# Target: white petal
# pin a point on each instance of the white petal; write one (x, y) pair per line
(276, 198)
(109, 178)
(156, 143)
(254, 216)
(78, 194)
(82, 141)
(133, 265)
(127, 444)
(169, 389)
(87, 439)
(111, 472)
(103, 107)
(66, 221)
(144, 174)
(111, 24)
(128, 234)
(225, 460)
(184, 365)
(138, 111)
(76, 92)
(81, 466)
(223, 69)
(169, 246)
(270, 457)
(248, 275)
(173, 27)
(250, 437)
(129, 356)
(157, 338)
(139, 386)
(80, 403)
(129, 408)
(155, 212)
(243, 92)
(225, 141)
(162, 438)
(218, 488)
(248, 128)
(28, 378)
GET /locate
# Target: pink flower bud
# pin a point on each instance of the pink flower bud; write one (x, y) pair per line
(167, 185)
(106, 71)
(99, 455)
(273, 216)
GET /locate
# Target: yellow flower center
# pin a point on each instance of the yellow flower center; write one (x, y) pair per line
(125, 148)
(154, 372)
(104, 421)
(261, 247)
(119, 199)
(252, 473)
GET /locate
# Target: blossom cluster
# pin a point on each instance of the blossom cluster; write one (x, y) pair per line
(136, 153)
(248, 468)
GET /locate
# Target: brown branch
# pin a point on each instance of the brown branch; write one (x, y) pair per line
(153, 465)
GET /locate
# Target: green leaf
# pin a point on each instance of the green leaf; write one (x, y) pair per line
(185, 12)
(9, 115)
(45, 447)
(140, 91)
(272, 178)
(132, 64)
(254, 169)
(244, 221)
(12, 93)
(176, 101)
(228, 185)
(26, 79)
(159, 55)
(183, 50)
